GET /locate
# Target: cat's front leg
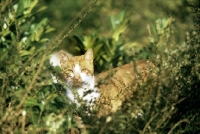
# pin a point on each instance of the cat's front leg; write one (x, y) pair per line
(71, 96)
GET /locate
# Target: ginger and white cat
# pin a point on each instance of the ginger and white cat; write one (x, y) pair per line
(108, 89)
(78, 74)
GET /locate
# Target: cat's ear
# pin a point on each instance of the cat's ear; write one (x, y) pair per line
(63, 56)
(89, 54)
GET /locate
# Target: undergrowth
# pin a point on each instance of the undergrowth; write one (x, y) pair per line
(32, 103)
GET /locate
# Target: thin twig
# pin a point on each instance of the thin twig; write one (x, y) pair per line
(178, 123)
(148, 123)
(168, 112)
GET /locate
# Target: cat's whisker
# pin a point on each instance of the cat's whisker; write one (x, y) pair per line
(69, 84)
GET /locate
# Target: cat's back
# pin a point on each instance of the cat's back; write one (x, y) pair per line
(126, 73)
(119, 83)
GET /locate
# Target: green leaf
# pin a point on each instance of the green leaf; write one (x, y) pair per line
(89, 41)
(121, 16)
(20, 8)
(29, 5)
(112, 22)
(31, 102)
(97, 49)
(25, 7)
(27, 52)
(120, 29)
(49, 29)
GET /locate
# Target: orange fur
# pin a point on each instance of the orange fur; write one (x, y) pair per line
(118, 84)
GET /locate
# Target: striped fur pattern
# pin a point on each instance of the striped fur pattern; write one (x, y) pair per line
(119, 84)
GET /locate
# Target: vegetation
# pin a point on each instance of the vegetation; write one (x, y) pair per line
(160, 31)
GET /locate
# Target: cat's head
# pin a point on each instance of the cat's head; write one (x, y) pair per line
(77, 70)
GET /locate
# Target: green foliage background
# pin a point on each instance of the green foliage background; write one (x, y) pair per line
(167, 32)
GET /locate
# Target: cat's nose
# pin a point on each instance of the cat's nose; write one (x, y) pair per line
(77, 78)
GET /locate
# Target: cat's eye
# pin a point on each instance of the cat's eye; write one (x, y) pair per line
(68, 73)
(85, 70)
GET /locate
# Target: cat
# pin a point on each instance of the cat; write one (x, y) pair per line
(105, 91)
(78, 74)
